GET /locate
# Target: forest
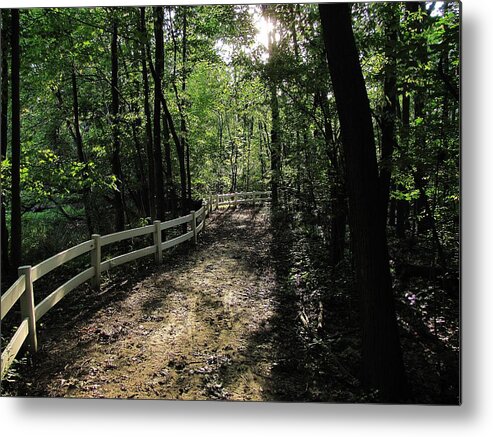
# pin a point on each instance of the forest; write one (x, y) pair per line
(343, 287)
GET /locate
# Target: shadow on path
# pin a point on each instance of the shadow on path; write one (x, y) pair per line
(218, 321)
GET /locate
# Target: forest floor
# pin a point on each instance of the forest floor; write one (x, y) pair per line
(202, 326)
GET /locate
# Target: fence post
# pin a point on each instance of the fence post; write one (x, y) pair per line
(253, 198)
(210, 203)
(157, 242)
(194, 227)
(217, 201)
(96, 261)
(27, 307)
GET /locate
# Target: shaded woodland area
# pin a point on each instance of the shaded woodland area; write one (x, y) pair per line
(349, 114)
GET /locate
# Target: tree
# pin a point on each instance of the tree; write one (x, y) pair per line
(182, 146)
(275, 139)
(80, 151)
(382, 365)
(16, 223)
(115, 114)
(389, 106)
(158, 156)
(148, 124)
(4, 138)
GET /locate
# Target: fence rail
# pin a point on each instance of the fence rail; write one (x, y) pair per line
(23, 288)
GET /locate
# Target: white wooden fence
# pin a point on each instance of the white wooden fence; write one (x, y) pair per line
(23, 288)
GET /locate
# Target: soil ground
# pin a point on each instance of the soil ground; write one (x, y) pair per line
(199, 327)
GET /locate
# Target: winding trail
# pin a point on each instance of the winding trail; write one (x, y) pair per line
(197, 328)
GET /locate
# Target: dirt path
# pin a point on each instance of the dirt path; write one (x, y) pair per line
(197, 328)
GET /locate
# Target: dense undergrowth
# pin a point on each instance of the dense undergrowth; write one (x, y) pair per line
(320, 307)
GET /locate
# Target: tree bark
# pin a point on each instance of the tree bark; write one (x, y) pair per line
(389, 107)
(422, 224)
(338, 196)
(4, 138)
(158, 156)
(115, 113)
(16, 224)
(402, 214)
(275, 146)
(185, 175)
(263, 165)
(142, 200)
(181, 143)
(80, 151)
(275, 158)
(168, 169)
(382, 365)
(148, 123)
(183, 138)
(337, 225)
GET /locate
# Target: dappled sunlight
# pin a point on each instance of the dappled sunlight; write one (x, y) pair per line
(187, 331)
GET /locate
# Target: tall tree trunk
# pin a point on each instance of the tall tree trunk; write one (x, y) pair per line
(115, 114)
(382, 365)
(275, 150)
(233, 155)
(4, 137)
(418, 181)
(403, 207)
(219, 167)
(423, 209)
(181, 140)
(390, 105)
(337, 224)
(80, 152)
(184, 173)
(275, 159)
(15, 217)
(249, 123)
(392, 208)
(422, 220)
(148, 124)
(263, 165)
(275, 146)
(142, 202)
(184, 139)
(338, 201)
(294, 16)
(168, 169)
(158, 156)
